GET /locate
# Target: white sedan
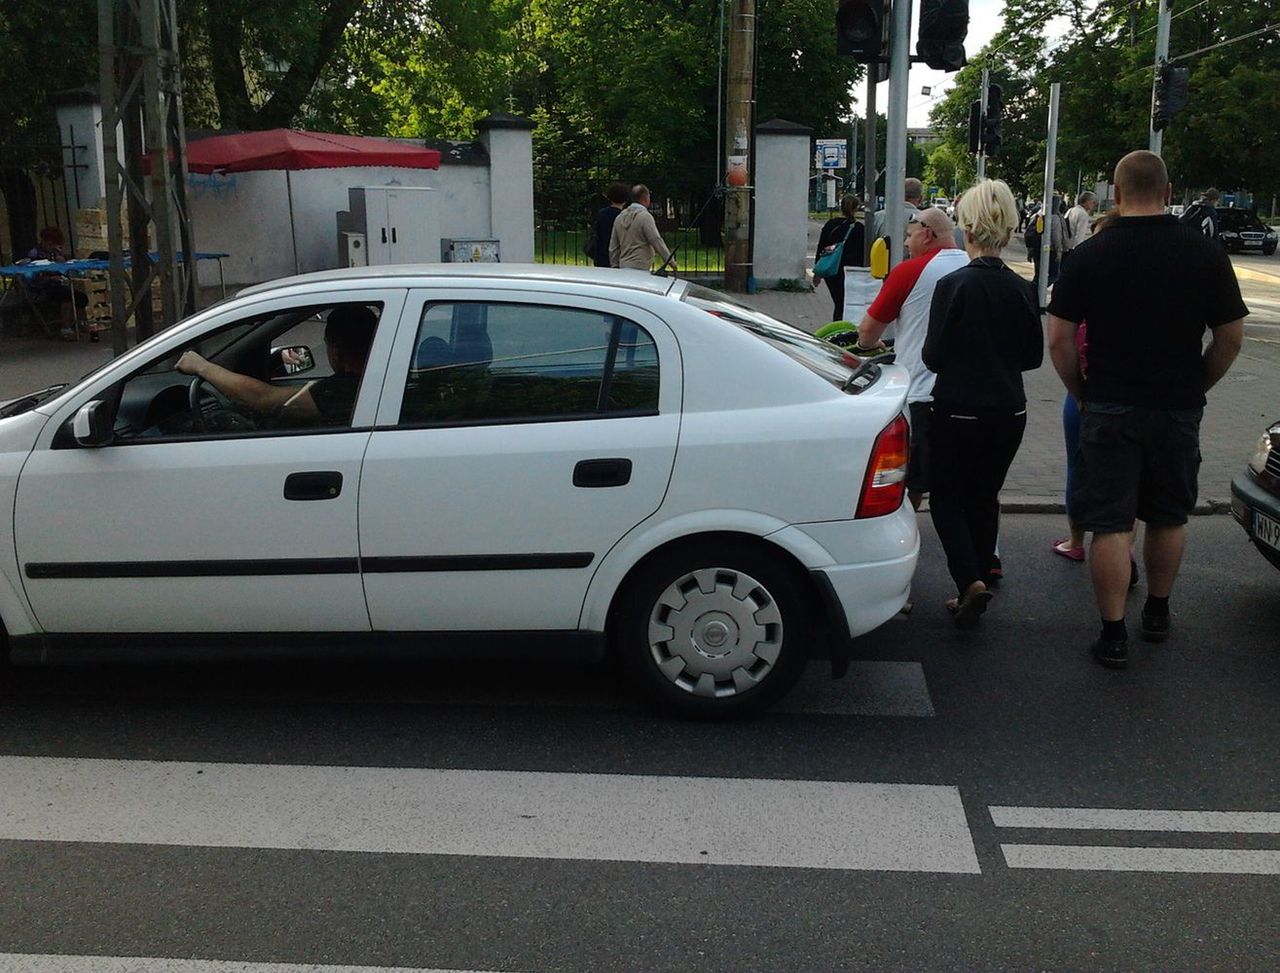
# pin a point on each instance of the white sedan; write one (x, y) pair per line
(520, 459)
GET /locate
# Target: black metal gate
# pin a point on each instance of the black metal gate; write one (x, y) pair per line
(34, 194)
(567, 194)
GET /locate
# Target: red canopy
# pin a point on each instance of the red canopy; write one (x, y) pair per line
(290, 148)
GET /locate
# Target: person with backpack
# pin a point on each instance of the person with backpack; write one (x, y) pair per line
(1203, 214)
(844, 230)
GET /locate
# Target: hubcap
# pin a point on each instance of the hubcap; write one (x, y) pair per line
(715, 632)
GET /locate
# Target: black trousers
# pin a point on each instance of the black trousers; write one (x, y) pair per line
(969, 456)
(836, 286)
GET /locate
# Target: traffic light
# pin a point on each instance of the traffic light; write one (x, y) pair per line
(975, 127)
(860, 28)
(1170, 95)
(992, 135)
(943, 26)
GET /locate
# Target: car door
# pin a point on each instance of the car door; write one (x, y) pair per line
(229, 530)
(520, 436)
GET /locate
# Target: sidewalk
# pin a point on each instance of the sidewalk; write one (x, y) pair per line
(1239, 409)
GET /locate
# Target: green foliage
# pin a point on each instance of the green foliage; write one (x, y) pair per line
(44, 48)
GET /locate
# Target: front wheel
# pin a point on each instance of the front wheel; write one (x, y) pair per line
(714, 635)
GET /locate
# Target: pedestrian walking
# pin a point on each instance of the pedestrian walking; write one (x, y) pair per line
(913, 197)
(983, 333)
(1077, 220)
(1203, 213)
(1148, 288)
(602, 233)
(635, 238)
(905, 298)
(845, 229)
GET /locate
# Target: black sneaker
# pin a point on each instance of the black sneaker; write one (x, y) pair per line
(1112, 653)
(996, 574)
(1155, 628)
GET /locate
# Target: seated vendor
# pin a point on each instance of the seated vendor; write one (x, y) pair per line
(54, 290)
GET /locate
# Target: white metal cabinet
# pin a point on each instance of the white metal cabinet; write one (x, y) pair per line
(401, 223)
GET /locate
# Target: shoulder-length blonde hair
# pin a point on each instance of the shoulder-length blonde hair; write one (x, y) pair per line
(988, 213)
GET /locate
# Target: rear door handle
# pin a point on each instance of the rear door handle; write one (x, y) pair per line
(602, 473)
(319, 485)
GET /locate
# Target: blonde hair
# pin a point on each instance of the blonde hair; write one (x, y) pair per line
(988, 213)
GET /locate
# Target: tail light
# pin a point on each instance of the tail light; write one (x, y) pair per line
(886, 480)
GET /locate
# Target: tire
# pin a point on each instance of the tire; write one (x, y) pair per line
(720, 633)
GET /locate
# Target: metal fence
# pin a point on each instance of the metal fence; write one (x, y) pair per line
(34, 195)
(568, 193)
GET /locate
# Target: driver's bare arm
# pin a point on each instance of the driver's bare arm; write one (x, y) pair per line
(257, 395)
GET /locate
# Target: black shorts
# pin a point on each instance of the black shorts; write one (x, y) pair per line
(918, 459)
(1135, 462)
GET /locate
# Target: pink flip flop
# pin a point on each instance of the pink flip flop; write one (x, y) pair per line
(1063, 548)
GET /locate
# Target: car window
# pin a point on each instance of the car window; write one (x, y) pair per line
(820, 357)
(494, 362)
(269, 372)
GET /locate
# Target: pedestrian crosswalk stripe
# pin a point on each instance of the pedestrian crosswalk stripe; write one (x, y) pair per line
(600, 817)
(49, 963)
(1222, 861)
(1118, 819)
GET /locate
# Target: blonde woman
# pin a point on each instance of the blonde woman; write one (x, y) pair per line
(984, 332)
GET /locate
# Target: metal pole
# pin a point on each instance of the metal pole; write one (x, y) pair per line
(741, 97)
(869, 164)
(896, 147)
(851, 184)
(1162, 55)
(1050, 163)
(293, 228)
(982, 114)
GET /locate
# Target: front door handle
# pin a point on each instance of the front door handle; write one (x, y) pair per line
(602, 473)
(320, 485)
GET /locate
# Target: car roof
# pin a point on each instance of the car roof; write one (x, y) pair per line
(635, 280)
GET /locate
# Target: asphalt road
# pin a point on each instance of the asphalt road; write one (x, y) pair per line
(536, 819)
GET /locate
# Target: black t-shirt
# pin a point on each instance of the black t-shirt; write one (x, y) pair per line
(335, 398)
(1146, 287)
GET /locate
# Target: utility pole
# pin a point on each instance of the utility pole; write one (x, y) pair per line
(982, 116)
(1162, 55)
(738, 174)
(896, 149)
(141, 93)
(870, 161)
(1047, 209)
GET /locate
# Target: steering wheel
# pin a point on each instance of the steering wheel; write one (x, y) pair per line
(195, 391)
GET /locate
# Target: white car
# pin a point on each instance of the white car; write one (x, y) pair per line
(548, 460)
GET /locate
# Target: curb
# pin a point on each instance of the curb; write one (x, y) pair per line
(1026, 504)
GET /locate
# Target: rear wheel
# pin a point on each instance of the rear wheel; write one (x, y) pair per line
(714, 634)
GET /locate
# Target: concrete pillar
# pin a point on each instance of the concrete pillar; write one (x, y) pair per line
(509, 141)
(783, 161)
(79, 117)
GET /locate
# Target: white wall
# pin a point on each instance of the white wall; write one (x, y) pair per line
(246, 214)
(511, 191)
(782, 206)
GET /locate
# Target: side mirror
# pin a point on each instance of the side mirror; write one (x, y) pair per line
(291, 360)
(92, 424)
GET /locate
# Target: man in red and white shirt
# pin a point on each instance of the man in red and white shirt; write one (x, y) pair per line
(905, 298)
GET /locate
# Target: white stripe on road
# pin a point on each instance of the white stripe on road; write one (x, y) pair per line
(599, 817)
(46, 963)
(1093, 858)
(1118, 819)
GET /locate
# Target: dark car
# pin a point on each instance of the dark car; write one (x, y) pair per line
(1255, 496)
(1240, 230)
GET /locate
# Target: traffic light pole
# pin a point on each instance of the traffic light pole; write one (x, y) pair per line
(1047, 207)
(895, 175)
(982, 114)
(870, 161)
(1162, 55)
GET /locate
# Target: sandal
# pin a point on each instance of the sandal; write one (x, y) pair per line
(1063, 548)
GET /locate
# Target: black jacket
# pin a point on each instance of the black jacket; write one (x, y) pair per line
(984, 332)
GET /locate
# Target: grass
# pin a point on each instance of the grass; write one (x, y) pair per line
(565, 247)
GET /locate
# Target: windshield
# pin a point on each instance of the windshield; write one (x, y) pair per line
(821, 357)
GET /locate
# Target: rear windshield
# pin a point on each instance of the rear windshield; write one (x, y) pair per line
(819, 356)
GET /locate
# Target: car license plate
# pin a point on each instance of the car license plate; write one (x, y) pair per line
(1266, 531)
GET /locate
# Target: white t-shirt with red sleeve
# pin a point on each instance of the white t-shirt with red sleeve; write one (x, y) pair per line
(905, 297)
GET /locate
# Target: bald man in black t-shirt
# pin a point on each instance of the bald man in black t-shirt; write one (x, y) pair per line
(1146, 290)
